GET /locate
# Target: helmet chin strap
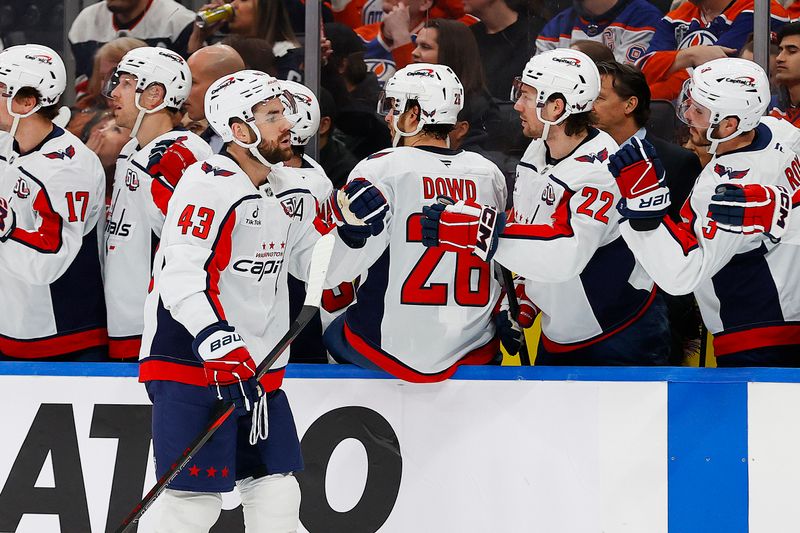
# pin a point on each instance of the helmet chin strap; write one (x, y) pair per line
(712, 149)
(253, 147)
(142, 112)
(399, 134)
(15, 125)
(548, 123)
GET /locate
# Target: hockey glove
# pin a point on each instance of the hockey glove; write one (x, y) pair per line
(358, 209)
(640, 178)
(7, 219)
(752, 208)
(462, 227)
(510, 330)
(230, 370)
(170, 158)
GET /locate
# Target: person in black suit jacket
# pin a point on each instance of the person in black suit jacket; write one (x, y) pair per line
(622, 110)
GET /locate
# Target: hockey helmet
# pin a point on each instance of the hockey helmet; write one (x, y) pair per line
(722, 88)
(308, 114)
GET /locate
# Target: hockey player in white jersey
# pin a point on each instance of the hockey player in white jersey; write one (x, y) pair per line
(52, 198)
(599, 307)
(219, 303)
(147, 88)
(420, 312)
(745, 285)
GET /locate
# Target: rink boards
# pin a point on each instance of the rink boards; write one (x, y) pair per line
(506, 449)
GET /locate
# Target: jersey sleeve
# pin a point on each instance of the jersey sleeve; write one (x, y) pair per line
(680, 256)
(582, 222)
(303, 236)
(64, 210)
(660, 55)
(196, 242)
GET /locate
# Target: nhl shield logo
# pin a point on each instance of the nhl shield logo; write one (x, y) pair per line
(21, 188)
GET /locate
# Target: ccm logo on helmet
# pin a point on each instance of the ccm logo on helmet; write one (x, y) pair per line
(424, 72)
(41, 58)
(571, 61)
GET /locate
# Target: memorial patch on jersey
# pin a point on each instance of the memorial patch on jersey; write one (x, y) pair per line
(21, 188)
(723, 171)
(217, 171)
(293, 206)
(600, 157)
(131, 180)
(68, 153)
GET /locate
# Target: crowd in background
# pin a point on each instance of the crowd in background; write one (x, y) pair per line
(643, 51)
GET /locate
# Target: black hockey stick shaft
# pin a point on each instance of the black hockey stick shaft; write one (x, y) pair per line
(319, 267)
(513, 309)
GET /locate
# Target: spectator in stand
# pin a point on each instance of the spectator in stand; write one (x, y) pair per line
(256, 53)
(624, 26)
(265, 19)
(207, 65)
(506, 40)
(357, 13)
(747, 53)
(334, 156)
(599, 52)
(787, 74)
(695, 33)
(164, 23)
(296, 11)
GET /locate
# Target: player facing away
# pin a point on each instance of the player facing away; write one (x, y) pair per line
(146, 89)
(420, 312)
(219, 303)
(52, 197)
(745, 285)
(599, 307)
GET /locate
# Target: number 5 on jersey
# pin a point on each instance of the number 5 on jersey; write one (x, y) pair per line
(200, 224)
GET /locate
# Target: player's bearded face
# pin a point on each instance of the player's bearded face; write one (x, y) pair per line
(275, 130)
(525, 105)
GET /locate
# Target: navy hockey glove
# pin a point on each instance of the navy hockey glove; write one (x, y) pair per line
(359, 209)
(509, 332)
(230, 370)
(462, 227)
(7, 219)
(752, 208)
(640, 178)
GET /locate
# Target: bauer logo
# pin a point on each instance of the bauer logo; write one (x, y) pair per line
(41, 58)
(571, 61)
(423, 72)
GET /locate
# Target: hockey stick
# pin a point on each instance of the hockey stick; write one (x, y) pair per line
(513, 311)
(320, 259)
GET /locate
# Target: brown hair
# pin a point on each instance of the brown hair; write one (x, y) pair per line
(459, 51)
(575, 123)
(272, 22)
(50, 112)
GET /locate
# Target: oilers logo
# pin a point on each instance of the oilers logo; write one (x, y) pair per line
(131, 180)
(383, 69)
(21, 189)
(634, 53)
(696, 38)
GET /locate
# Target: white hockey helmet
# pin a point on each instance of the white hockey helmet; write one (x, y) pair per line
(36, 66)
(154, 65)
(563, 71)
(308, 114)
(436, 89)
(235, 96)
(726, 87)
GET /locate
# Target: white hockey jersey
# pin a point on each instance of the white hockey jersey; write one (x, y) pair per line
(420, 311)
(563, 237)
(138, 205)
(225, 253)
(746, 287)
(49, 264)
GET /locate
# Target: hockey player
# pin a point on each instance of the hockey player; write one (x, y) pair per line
(148, 86)
(52, 197)
(598, 305)
(219, 303)
(745, 285)
(444, 299)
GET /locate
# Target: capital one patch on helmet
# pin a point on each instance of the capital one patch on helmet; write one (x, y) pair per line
(302, 98)
(41, 58)
(571, 61)
(423, 72)
(175, 57)
(227, 83)
(745, 81)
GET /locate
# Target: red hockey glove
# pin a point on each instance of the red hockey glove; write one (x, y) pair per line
(170, 159)
(462, 227)
(640, 178)
(7, 219)
(230, 370)
(752, 208)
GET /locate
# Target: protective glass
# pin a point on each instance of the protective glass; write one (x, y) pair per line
(386, 104)
(690, 112)
(289, 110)
(516, 89)
(116, 79)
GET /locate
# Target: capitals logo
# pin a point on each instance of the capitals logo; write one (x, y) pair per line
(67, 153)
(571, 61)
(21, 188)
(217, 171)
(728, 171)
(600, 157)
(423, 72)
